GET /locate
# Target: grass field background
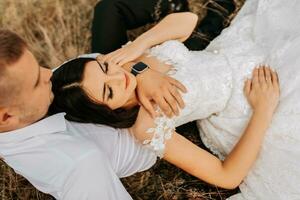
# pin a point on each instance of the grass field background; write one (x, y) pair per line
(60, 29)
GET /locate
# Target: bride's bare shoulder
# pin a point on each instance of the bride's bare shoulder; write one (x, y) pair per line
(143, 122)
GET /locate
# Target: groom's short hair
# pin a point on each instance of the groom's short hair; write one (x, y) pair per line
(12, 47)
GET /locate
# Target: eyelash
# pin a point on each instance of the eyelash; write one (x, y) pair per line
(110, 93)
(110, 89)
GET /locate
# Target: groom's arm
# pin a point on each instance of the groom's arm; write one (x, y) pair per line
(218, 16)
(130, 156)
(119, 149)
(93, 178)
(124, 15)
(112, 19)
(67, 166)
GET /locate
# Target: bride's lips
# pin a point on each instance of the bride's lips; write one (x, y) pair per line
(126, 80)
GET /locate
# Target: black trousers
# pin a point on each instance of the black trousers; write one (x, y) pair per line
(112, 19)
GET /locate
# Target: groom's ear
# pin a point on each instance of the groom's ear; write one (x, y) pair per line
(7, 118)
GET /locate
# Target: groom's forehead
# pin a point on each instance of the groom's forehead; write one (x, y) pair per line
(26, 68)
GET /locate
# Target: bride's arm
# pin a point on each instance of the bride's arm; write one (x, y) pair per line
(176, 26)
(200, 163)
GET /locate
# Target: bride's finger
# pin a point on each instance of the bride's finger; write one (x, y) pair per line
(177, 84)
(278, 82)
(164, 106)
(174, 91)
(247, 87)
(100, 58)
(116, 58)
(119, 59)
(147, 105)
(255, 82)
(103, 58)
(261, 75)
(108, 56)
(275, 79)
(123, 61)
(171, 100)
(268, 75)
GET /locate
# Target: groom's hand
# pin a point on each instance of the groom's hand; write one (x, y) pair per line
(162, 89)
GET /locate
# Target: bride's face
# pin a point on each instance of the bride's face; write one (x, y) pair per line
(109, 84)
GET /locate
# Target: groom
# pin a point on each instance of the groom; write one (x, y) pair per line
(65, 159)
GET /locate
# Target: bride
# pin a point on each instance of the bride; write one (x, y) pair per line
(235, 104)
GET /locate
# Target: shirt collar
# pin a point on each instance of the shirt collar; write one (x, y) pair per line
(52, 124)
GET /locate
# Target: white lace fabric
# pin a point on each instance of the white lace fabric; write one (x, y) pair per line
(162, 131)
(207, 93)
(264, 32)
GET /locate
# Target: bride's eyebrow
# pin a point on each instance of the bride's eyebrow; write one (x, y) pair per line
(100, 65)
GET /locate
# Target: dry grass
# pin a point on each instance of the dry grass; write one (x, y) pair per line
(56, 29)
(60, 29)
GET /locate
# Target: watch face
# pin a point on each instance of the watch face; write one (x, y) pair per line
(138, 68)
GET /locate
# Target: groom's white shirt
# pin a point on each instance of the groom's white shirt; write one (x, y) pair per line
(73, 160)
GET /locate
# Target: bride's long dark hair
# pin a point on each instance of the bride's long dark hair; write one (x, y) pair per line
(69, 97)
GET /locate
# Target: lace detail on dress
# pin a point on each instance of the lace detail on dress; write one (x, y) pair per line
(247, 43)
(171, 52)
(162, 131)
(208, 91)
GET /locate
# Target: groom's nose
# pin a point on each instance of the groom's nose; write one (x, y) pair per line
(47, 74)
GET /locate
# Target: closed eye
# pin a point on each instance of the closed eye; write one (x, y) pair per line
(110, 92)
(110, 95)
(105, 70)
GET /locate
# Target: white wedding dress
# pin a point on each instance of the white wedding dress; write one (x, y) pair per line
(264, 32)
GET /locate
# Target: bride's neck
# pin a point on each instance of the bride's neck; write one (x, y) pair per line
(132, 101)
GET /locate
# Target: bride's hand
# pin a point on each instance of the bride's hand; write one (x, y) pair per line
(127, 53)
(262, 90)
